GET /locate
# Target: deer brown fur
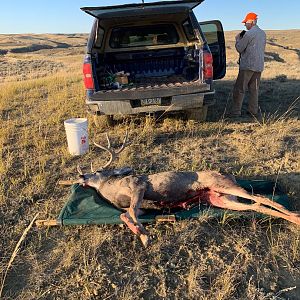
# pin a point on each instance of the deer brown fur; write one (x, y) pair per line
(135, 193)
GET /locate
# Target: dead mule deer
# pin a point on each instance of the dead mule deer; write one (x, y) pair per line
(134, 193)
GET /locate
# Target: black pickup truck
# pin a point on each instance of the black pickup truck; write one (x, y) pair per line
(152, 57)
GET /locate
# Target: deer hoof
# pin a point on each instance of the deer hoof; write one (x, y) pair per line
(144, 239)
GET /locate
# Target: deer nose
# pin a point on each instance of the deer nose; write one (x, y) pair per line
(81, 180)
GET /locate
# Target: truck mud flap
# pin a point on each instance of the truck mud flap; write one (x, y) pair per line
(209, 99)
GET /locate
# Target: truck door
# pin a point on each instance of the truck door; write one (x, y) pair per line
(214, 36)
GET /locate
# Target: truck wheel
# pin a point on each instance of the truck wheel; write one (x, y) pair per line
(197, 114)
(104, 121)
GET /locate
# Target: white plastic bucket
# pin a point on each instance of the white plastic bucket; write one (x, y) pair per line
(77, 135)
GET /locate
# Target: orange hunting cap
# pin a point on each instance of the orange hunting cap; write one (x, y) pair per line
(250, 17)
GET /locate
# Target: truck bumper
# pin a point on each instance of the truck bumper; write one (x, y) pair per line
(171, 103)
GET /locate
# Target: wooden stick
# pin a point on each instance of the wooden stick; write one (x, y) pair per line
(42, 223)
(14, 254)
(165, 218)
(66, 182)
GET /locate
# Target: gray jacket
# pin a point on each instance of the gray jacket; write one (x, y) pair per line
(252, 48)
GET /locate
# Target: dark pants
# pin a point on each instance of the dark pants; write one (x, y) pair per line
(246, 79)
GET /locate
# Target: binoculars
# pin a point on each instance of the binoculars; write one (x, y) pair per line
(242, 33)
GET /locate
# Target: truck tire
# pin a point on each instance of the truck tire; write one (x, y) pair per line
(197, 114)
(104, 121)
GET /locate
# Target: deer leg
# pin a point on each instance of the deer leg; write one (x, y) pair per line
(130, 224)
(134, 211)
(266, 201)
(240, 192)
(137, 195)
(137, 229)
(229, 203)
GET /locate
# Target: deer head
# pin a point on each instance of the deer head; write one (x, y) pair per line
(97, 178)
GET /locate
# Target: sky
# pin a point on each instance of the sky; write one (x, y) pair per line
(65, 16)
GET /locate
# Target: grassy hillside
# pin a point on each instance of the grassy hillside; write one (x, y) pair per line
(208, 258)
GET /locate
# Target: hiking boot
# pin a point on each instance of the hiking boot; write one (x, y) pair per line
(252, 114)
(234, 116)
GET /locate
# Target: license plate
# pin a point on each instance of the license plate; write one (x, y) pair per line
(151, 101)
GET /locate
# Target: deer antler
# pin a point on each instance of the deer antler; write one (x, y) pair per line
(92, 169)
(113, 153)
(79, 170)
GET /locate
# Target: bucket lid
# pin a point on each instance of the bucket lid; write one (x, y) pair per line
(75, 121)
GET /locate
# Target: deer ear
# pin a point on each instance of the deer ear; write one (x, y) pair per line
(123, 171)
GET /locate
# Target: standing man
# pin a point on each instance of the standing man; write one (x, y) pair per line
(251, 47)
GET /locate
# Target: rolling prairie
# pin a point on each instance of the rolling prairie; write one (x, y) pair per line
(209, 258)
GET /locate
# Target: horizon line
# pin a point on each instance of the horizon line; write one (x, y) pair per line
(89, 32)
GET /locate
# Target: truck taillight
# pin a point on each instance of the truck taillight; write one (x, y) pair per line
(88, 76)
(208, 67)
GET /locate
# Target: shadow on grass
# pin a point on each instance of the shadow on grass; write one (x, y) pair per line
(275, 98)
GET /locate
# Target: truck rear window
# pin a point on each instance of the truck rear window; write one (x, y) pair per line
(139, 36)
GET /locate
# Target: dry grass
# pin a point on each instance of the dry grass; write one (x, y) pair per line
(200, 259)
(16, 250)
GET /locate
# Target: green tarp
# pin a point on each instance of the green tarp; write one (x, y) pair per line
(85, 206)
